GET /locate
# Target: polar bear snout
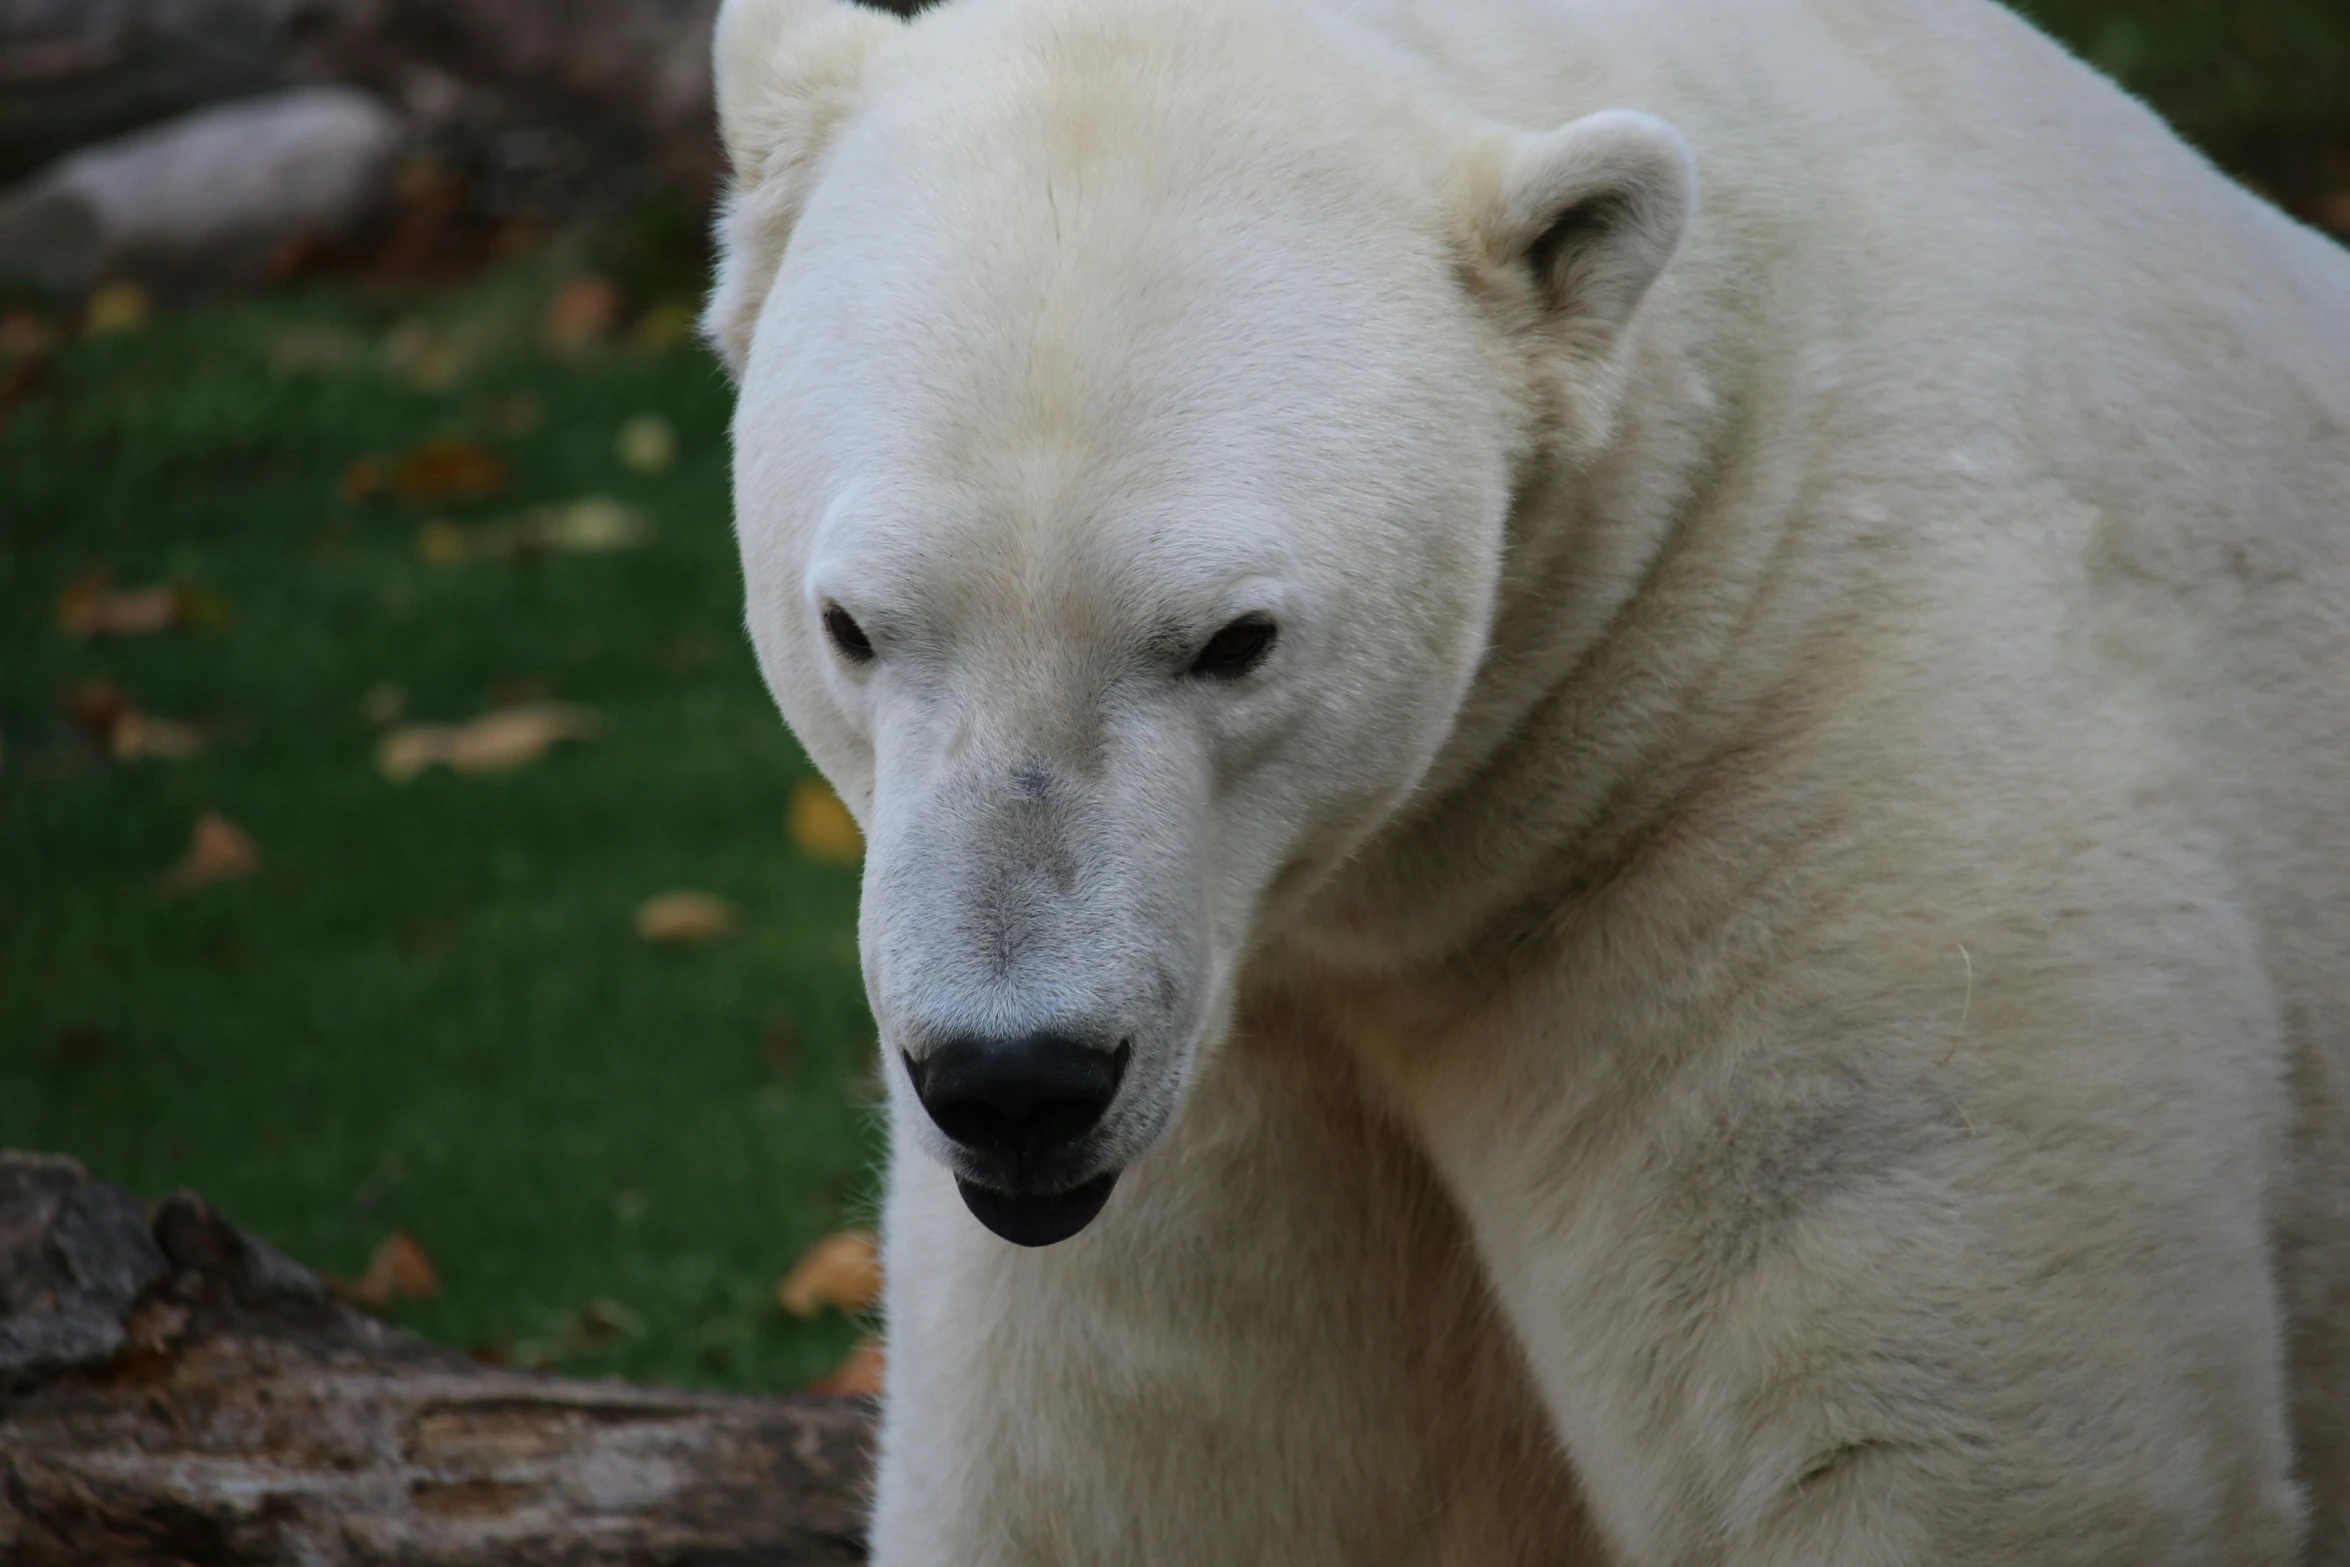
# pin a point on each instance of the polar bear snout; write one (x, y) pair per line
(1021, 1112)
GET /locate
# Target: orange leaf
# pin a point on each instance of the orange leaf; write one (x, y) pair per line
(88, 607)
(840, 1271)
(860, 1376)
(581, 314)
(219, 850)
(449, 469)
(24, 335)
(366, 478)
(95, 707)
(821, 826)
(400, 1269)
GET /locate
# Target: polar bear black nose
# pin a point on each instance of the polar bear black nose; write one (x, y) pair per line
(1018, 1100)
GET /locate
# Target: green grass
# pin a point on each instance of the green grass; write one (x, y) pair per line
(429, 1010)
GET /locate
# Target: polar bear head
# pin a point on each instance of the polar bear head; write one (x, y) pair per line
(1133, 394)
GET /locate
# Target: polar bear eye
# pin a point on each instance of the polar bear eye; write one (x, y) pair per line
(847, 635)
(1237, 649)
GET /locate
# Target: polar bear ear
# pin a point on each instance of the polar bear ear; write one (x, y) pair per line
(787, 72)
(1593, 210)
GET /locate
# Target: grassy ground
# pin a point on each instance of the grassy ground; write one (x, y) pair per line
(428, 1010)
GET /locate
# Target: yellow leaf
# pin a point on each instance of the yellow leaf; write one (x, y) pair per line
(441, 542)
(647, 444)
(118, 307)
(663, 327)
(589, 526)
(684, 917)
(821, 827)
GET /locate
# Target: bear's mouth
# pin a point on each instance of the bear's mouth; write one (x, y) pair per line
(1040, 1218)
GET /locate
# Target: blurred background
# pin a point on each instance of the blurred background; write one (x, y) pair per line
(396, 844)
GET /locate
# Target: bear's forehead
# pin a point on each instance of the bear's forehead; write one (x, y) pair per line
(1060, 266)
(1095, 303)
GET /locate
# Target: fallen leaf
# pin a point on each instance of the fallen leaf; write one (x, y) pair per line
(429, 361)
(580, 315)
(88, 607)
(94, 707)
(138, 734)
(517, 414)
(106, 718)
(384, 702)
(82, 1044)
(589, 526)
(603, 1321)
(441, 542)
(841, 1272)
(218, 850)
(118, 307)
(19, 380)
(400, 1269)
(25, 335)
(821, 827)
(366, 478)
(779, 1044)
(684, 917)
(201, 609)
(647, 444)
(862, 1375)
(504, 738)
(663, 327)
(302, 349)
(450, 468)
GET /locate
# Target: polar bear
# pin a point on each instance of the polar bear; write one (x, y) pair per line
(1607, 758)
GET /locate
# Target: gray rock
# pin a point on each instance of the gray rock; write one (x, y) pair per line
(208, 197)
(73, 1258)
(73, 72)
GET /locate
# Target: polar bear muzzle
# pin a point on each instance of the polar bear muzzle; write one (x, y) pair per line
(1023, 1110)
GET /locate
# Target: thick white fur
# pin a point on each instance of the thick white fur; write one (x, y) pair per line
(1763, 975)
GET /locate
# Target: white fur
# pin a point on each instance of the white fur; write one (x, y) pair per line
(1763, 974)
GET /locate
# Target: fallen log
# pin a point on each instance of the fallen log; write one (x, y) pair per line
(174, 1391)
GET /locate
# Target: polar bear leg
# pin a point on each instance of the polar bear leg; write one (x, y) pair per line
(1272, 1346)
(1786, 1314)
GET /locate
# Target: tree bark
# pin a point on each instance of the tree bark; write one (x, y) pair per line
(175, 1393)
